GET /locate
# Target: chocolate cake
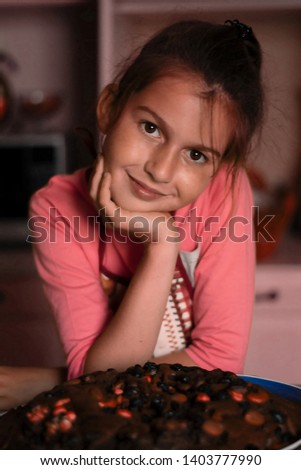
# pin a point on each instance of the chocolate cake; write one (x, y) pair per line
(154, 407)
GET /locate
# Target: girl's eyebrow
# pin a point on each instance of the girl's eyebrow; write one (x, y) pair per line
(154, 114)
(161, 122)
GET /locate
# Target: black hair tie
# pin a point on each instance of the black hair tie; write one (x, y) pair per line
(244, 31)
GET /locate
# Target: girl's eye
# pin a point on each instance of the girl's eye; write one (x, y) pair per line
(197, 156)
(150, 128)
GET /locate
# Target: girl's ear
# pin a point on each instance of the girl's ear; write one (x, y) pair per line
(104, 107)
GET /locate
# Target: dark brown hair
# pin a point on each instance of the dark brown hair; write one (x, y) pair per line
(228, 61)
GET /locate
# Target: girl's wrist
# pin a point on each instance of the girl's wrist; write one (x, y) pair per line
(164, 232)
(164, 247)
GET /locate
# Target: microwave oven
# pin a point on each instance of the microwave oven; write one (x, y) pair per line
(27, 162)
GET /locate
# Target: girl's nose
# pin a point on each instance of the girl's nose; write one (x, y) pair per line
(161, 165)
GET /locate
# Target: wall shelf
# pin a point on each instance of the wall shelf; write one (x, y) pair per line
(136, 7)
(113, 12)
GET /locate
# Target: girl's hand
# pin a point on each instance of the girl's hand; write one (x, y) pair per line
(95, 180)
(145, 227)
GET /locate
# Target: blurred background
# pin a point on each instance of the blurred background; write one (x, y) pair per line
(55, 57)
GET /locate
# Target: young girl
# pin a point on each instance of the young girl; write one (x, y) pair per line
(149, 254)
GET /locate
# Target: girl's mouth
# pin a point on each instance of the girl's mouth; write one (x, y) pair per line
(143, 191)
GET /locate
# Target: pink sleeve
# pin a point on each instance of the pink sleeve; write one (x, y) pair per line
(224, 277)
(67, 259)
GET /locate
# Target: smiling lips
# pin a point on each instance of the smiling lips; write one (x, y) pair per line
(143, 191)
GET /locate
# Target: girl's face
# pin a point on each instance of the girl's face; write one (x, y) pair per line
(165, 145)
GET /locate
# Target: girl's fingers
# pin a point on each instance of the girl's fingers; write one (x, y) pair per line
(96, 178)
(113, 214)
(104, 196)
(152, 226)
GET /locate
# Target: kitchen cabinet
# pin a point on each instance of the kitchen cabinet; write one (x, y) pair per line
(28, 334)
(275, 343)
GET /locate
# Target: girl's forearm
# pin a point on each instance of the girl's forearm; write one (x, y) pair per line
(18, 385)
(132, 333)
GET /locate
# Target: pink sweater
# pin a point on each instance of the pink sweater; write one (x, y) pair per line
(216, 229)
